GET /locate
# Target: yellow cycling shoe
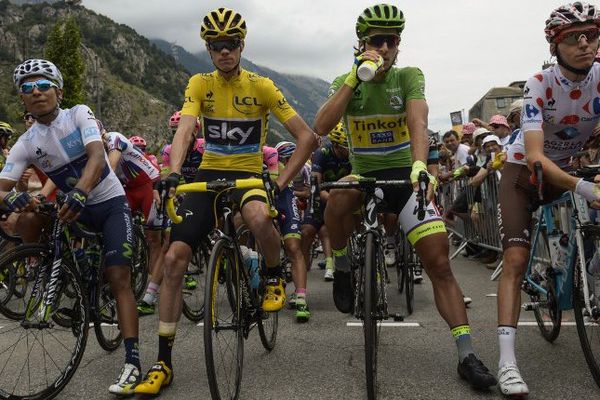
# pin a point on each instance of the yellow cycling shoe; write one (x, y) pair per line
(158, 377)
(274, 299)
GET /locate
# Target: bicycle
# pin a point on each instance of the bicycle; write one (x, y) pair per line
(47, 328)
(554, 288)
(140, 260)
(235, 304)
(369, 271)
(405, 268)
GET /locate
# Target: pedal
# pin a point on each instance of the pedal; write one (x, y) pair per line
(531, 306)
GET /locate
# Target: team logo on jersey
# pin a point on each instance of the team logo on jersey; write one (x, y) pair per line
(531, 111)
(73, 144)
(209, 95)
(246, 104)
(232, 132)
(568, 133)
(396, 102)
(8, 167)
(39, 153)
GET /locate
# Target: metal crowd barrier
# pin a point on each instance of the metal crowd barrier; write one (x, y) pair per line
(479, 226)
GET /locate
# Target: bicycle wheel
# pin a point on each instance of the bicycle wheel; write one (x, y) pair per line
(268, 322)
(588, 326)
(37, 360)
(139, 263)
(223, 325)
(547, 310)
(194, 286)
(106, 325)
(409, 281)
(370, 329)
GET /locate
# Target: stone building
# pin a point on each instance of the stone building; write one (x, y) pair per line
(496, 101)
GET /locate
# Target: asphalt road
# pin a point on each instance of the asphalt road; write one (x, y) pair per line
(323, 359)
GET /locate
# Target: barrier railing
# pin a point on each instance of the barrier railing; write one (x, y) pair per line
(478, 224)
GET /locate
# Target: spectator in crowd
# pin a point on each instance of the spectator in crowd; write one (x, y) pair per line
(501, 128)
(476, 149)
(467, 133)
(514, 114)
(590, 155)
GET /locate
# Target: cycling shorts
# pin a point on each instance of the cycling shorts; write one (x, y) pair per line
(403, 201)
(198, 209)
(516, 200)
(141, 198)
(289, 215)
(315, 219)
(112, 218)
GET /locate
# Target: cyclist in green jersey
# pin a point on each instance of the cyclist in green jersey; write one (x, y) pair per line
(386, 124)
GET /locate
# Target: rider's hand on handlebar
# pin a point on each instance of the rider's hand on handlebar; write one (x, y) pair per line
(417, 167)
(169, 184)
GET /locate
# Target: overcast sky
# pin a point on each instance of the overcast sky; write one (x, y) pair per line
(464, 47)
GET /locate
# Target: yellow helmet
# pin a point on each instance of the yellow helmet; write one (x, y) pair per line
(338, 135)
(223, 22)
(6, 129)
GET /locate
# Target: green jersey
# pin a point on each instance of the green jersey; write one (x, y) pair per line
(375, 119)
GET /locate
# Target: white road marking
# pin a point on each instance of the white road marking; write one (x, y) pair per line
(200, 324)
(563, 323)
(386, 324)
(491, 295)
(104, 324)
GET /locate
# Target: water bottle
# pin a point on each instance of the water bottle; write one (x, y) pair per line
(367, 69)
(254, 270)
(250, 258)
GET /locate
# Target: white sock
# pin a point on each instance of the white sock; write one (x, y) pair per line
(506, 338)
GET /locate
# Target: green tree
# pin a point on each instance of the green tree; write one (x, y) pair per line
(63, 48)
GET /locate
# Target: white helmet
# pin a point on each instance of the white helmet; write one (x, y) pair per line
(37, 67)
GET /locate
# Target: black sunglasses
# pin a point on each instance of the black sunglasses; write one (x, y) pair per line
(379, 40)
(219, 45)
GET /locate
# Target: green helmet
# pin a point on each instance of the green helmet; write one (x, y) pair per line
(379, 16)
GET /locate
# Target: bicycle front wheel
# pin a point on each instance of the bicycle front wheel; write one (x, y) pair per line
(139, 263)
(546, 310)
(106, 324)
(370, 330)
(38, 357)
(193, 285)
(223, 325)
(588, 325)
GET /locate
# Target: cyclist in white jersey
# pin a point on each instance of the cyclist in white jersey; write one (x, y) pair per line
(66, 145)
(560, 110)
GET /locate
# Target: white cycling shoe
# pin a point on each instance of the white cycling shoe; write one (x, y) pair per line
(511, 383)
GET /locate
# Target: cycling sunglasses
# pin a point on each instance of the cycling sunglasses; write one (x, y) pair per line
(379, 40)
(219, 45)
(572, 38)
(43, 85)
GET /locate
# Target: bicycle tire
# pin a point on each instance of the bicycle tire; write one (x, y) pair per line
(548, 314)
(223, 275)
(193, 299)
(44, 346)
(139, 263)
(409, 282)
(106, 324)
(585, 339)
(369, 315)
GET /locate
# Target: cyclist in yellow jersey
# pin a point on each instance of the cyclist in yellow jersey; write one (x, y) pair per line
(234, 105)
(386, 124)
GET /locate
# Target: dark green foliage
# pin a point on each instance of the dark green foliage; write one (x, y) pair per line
(63, 48)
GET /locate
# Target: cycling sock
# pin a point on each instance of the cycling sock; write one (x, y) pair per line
(273, 272)
(341, 260)
(166, 338)
(506, 338)
(301, 292)
(462, 336)
(151, 292)
(132, 351)
(329, 262)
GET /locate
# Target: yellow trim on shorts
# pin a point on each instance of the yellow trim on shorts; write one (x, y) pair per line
(253, 192)
(429, 228)
(292, 236)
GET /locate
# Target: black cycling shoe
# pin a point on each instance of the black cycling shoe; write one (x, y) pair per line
(343, 295)
(473, 371)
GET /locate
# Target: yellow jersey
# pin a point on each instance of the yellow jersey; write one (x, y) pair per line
(235, 117)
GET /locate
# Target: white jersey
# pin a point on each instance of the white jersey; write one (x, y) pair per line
(58, 150)
(565, 111)
(134, 168)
